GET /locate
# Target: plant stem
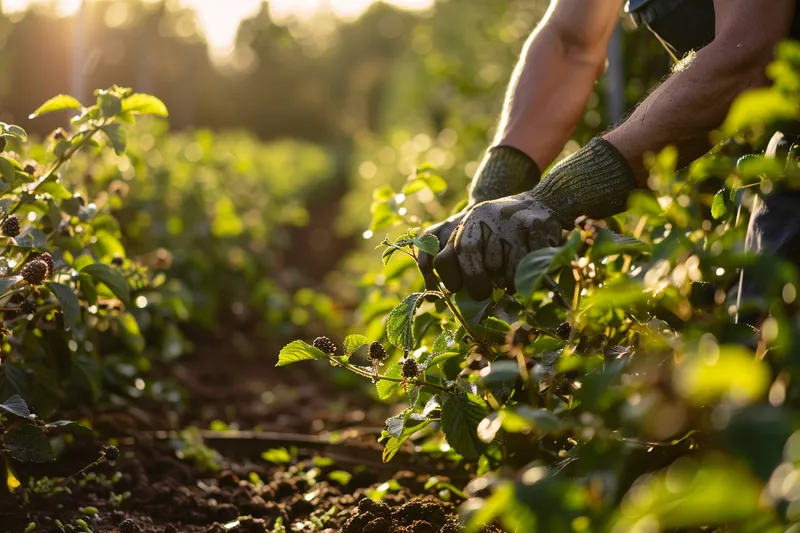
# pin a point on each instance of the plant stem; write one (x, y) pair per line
(377, 377)
(446, 296)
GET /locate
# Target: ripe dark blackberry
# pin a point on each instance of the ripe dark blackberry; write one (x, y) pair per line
(410, 368)
(29, 168)
(129, 526)
(324, 344)
(563, 330)
(111, 453)
(34, 272)
(377, 352)
(47, 257)
(118, 261)
(27, 307)
(10, 226)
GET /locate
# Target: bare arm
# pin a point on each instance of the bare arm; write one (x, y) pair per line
(553, 80)
(695, 99)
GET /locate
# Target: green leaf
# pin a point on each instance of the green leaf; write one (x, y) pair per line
(536, 265)
(28, 444)
(57, 103)
(399, 429)
(17, 407)
(70, 306)
(427, 243)
(110, 104)
(7, 170)
(354, 342)
(71, 426)
(299, 351)
(610, 243)
(144, 104)
(117, 136)
(435, 183)
(758, 107)
(33, 238)
(526, 418)
(461, 415)
(400, 324)
(111, 278)
(131, 335)
(341, 477)
(386, 388)
(731, 373)
(278, 456)
(17, 132)
(691, 493)
(719, 207)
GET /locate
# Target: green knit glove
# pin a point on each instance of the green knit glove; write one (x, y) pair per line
(504, 171)
(595, 181)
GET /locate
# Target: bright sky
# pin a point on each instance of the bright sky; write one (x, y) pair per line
(220, 18)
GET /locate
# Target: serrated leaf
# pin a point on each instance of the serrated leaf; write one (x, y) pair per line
(461, 415)
(16, 406)
(427, 243)
(719, 207)
(411, 423)
(354, 342)
(57, 103)
(527, 418)
(144, 104)
(17, 132)
(299, 351)
(386, 388)
(117, 136)
(111, 278)
(70, 306)
(443, 342)
(110, 104)
(28, 444)
(400, 324)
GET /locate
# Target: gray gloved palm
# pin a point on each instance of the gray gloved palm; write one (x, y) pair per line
(495, 235)
(503, 172)
(492, 240)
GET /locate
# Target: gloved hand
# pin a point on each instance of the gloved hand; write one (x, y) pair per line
(503, 172)
(494, 236)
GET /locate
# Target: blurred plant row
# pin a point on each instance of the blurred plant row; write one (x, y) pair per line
(615, 391)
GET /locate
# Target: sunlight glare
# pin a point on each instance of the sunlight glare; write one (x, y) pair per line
(219, 20)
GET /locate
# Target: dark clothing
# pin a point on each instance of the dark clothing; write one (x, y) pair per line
(684, 25)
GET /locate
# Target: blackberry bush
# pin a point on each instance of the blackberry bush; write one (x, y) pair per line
(615, 389)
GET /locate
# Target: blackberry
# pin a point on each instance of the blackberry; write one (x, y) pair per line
(27, 307)
(59, 134)
(47, 257)
(563, 330)
(29, 168)
(410, 368)
(377, 352)
(10, 226)
(129, 526)
(118, 261)
(324, 344)
(111, 453)
(34, 272)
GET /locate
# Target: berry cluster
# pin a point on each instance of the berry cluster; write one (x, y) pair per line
(377, 352)
(563, 330)
(27, 307)
(324, 344)
(10, 226)
(410, 368)
(35, 272)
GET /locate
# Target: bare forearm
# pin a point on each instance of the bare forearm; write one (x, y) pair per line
(695, 99)
(555, 76)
